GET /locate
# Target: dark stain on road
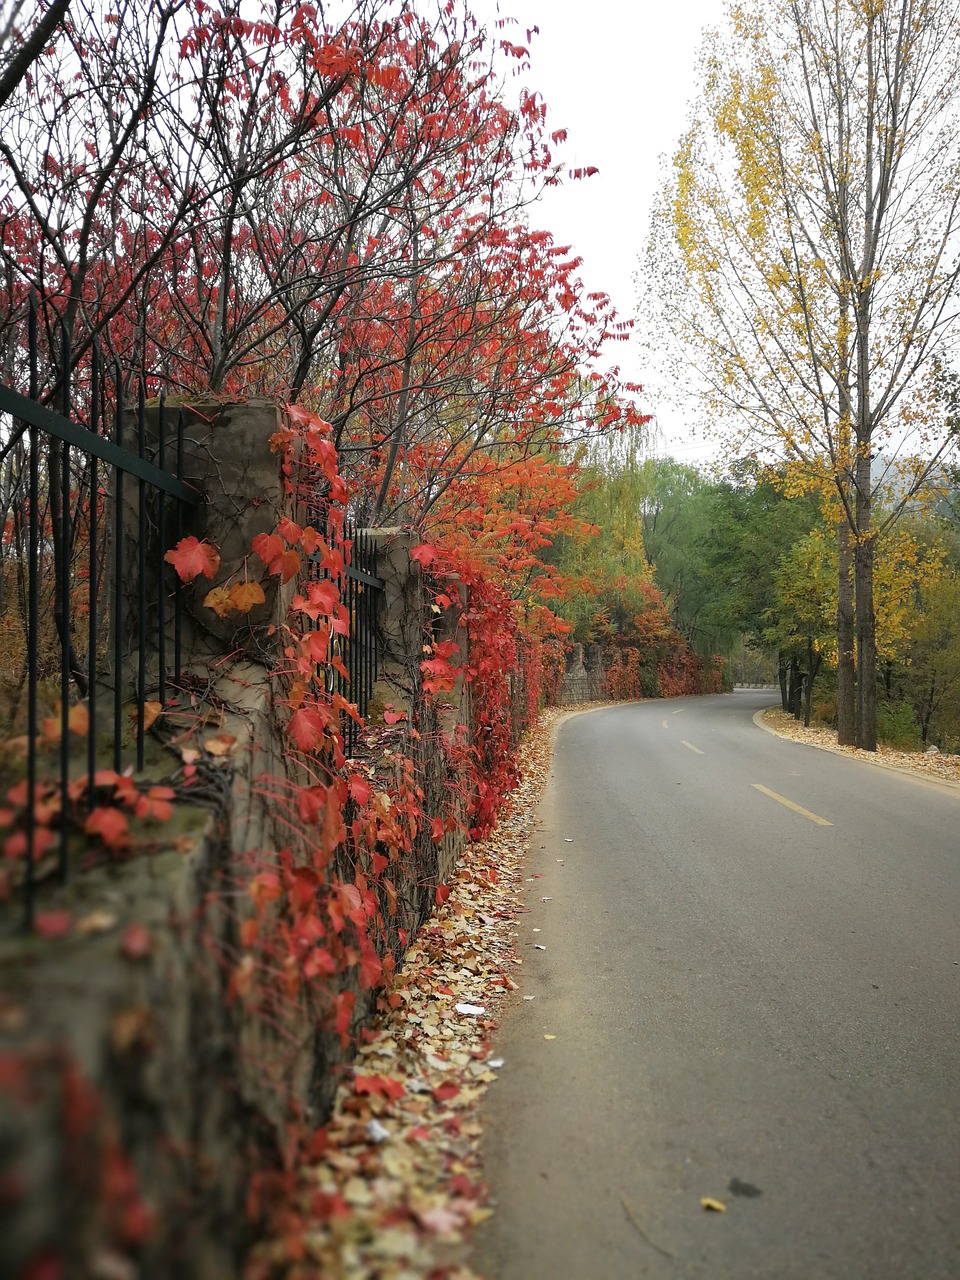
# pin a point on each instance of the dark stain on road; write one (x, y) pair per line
(745, 1189)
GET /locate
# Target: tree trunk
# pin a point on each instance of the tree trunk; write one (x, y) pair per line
(846, 675)
(813, 666)
(782, 677)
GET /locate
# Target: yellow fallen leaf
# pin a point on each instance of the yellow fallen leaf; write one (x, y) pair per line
(549, 1037)
(715, 1206)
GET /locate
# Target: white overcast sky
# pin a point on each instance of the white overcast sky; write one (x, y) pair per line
(618, 77)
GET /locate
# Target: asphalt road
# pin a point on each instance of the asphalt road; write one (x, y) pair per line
(735, 1000)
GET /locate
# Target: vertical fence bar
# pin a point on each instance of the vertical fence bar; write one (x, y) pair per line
(93, 580)
(162, 534)
(178, 534)
(65, 638)
(141, 571)
(118, 580)
(33, 618)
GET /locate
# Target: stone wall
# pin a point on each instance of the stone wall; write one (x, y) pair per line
(583, 680)
(137, 1091)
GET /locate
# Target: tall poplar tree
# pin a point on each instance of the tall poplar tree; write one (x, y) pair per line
(806, 252)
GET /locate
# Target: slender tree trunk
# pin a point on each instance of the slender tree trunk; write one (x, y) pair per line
(782, 678)
(866, 617)
(846, 676)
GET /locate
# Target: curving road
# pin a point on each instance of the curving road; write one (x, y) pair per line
(751, 983)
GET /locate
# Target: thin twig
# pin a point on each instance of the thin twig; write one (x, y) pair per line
(640, 1231)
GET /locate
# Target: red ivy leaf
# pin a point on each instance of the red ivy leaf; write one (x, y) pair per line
(110, 825)
(192, 558)
(360, 790)
(371, 969)
(53, 924)
(442, 894)
(268, 546)
(308, 726)
(424, 554)
(136, 943)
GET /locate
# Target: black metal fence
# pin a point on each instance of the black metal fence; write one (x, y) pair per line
(355, 671)
(66, 580)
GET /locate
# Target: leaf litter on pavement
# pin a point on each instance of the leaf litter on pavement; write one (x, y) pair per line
(396, 1187)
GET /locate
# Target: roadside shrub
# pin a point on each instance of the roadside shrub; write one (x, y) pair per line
(897, 726)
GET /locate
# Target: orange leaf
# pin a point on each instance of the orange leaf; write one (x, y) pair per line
(191, 558)
(152, 711)
(221, 745)
(78, 718)
(220, 600)
(245, 595)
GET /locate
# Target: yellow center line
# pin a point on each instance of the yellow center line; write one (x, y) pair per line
(691, 746)
(821, 822)
(664, 724)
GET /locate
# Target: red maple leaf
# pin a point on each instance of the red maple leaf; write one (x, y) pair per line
(191, 558)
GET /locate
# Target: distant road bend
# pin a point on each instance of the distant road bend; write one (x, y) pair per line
(749, 991)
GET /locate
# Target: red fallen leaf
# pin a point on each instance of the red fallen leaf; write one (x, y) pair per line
(317, 1146)
(110, 825)
(418, 1134)
(444, 1092)
(53, 924)
(460, 1185)
(442, 894)
(326, 1205)
(383, 1085)
(424, 554)
(191, 558)
(136, 943)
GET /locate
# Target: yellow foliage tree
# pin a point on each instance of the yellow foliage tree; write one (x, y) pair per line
(806, 254)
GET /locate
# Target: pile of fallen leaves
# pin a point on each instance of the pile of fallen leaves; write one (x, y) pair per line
(938, 766)
(395, 1187)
